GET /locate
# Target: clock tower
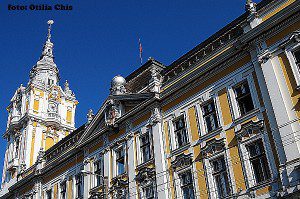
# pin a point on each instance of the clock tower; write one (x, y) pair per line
(39, 115)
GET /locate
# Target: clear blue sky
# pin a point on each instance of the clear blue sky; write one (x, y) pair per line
(98, 39)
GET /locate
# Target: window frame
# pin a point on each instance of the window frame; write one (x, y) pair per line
(116, 159)
(192, 183)
(247, 167)
(263, 155)
(290, 48)
(203, 116)
(225, 170)
(79, 185)
(185, 128)
(99, 162)
(148, 133)
(238, 98)
(63, 189)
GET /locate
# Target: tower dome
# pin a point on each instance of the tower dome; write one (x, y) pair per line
(118, 85)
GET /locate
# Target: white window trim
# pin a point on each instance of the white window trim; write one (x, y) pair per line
(289, 49)
(232, 97)
(142, 133)
(208, 171)
(250, 178)
(177, 181)
(115, 166)
(174, 142)
(203, 129)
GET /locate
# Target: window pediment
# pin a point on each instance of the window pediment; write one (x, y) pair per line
(213, 146)
(182, 161)
(249, 130)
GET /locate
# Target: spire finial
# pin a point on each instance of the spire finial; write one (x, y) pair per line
(250, 6)
(49, 22)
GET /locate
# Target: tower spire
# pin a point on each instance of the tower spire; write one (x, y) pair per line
(49, 22)
(48, 46)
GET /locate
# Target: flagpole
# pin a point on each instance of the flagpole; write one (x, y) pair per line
(141, 51)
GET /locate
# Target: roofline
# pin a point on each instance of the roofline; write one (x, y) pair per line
(210, 39)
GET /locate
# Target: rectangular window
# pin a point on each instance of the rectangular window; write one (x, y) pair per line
(180, 132)
(79, 184)
(220, 177)
(146, 147)
(120, 161)
(297, 58)
(149, 192)
(243, 98)
(210, 116)
(63, 189)
(49, 194)
(99, 172)
(259, 161)
(187, 186)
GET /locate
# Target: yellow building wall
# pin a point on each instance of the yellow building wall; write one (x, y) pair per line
(36, 104)
(203, 193)
(70, 187)
(55, 191)
(232, 142)
(290, 82)
(193, 123)
(69, 116)
(32, 143)
(49, 143)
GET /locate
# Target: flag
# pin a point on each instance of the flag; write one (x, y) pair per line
(141, 51)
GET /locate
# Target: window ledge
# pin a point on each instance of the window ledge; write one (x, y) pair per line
(145, 164)
(209, 135)
(247, 116)
(181, 149)
(262, 184)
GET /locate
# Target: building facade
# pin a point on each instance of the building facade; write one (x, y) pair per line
(222, 121)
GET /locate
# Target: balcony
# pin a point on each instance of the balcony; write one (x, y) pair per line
(53, 117)
(100, 191)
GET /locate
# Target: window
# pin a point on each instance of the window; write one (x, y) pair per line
(180, 132)
(99, 172)
(243, 98)
(63, 189)
(49, 194)
(50, 81)
(187, 187)
(210, 116)
(297, 58)
(79, 184)
(146, 147)
(220, 177)
(120, 161)
(259, 161)
(149, 192)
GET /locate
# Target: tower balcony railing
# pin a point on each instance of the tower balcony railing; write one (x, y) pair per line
(53, 116)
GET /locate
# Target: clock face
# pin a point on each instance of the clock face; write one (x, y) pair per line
(52, 107)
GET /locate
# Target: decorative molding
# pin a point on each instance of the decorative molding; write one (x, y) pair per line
(145, 176)
(250, 129)
(182, 161)
(213, 146)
